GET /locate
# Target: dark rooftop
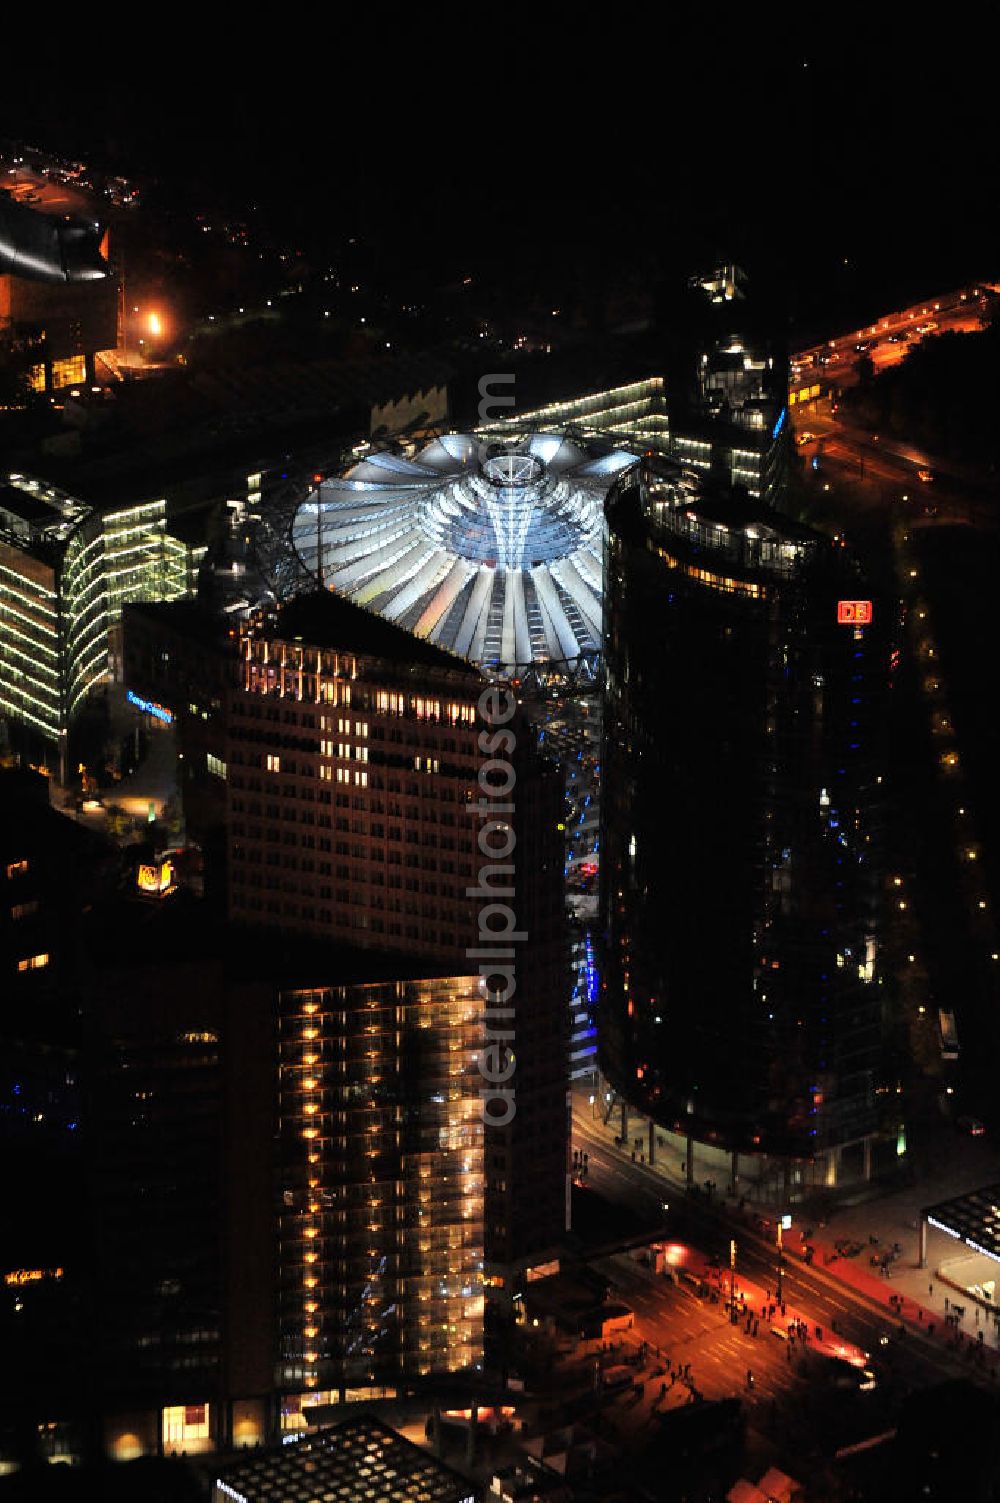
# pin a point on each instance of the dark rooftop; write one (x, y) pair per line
(24, 504)
(28, 819)
(326, 619)
(183, 930)
(189, 618)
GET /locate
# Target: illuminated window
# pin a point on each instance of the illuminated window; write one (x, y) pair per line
(16, 868)
(36, 377)
(184, 1423)
(273, 762)
(22, 910)
(33, 962)
(216, 765)
(69, 372)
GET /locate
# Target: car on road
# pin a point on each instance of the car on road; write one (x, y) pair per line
(971, 1126)
(804, 438)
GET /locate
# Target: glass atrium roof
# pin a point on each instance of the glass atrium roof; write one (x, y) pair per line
(492, 549)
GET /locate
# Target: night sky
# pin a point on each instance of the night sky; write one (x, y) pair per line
(483, 149)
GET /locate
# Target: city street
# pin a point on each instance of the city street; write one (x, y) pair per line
(888, 470)
(928, 488)
(889, 337)
(912, 1359)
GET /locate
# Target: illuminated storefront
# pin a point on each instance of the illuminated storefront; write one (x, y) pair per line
(185, 1428)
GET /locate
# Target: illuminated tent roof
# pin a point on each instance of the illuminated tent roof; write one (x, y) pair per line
(492, 550)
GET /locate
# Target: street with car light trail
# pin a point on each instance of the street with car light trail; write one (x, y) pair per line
(957, 312)
(930, 488)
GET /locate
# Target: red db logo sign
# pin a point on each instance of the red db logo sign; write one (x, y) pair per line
(854, 612)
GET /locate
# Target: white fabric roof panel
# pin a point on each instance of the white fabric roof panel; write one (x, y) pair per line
(511, 546)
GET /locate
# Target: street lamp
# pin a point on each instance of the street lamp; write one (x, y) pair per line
(784, 1224)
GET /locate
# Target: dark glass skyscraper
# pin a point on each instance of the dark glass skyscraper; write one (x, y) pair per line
(746, 679)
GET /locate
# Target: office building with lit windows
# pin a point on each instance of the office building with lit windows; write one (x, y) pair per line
(728, 386)
(66, 570)
(380, 1245)
(633, 415)
(331, 762)
(285, 1164)
(351, 774)
(720, 409)
(745, 702)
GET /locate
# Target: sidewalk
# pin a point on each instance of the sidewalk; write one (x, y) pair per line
(953, 1166)
(923, 1303)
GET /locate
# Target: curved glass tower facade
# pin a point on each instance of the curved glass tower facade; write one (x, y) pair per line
(741, 783)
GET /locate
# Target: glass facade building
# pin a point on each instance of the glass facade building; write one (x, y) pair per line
(633, 415)
(65, 573)
(745, 710)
